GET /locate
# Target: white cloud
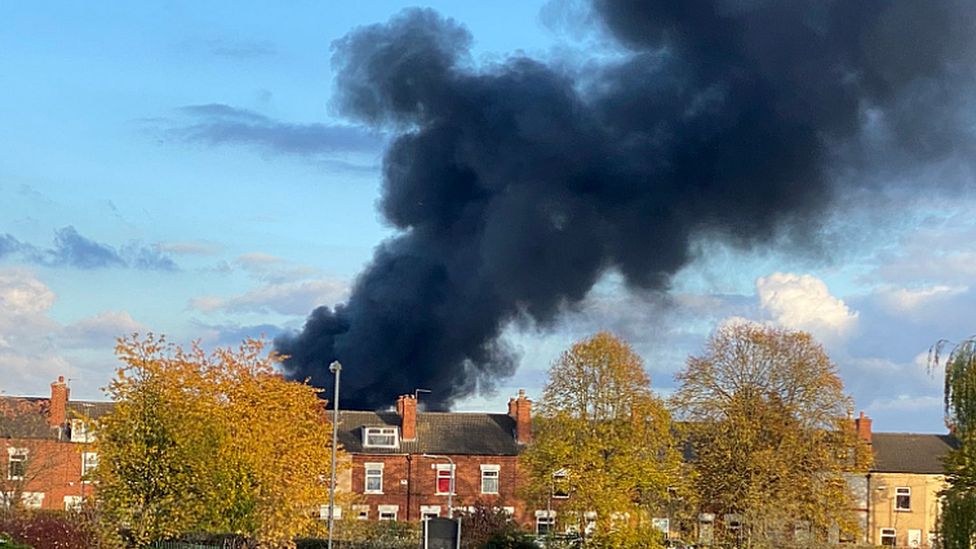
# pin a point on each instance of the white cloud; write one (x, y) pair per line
(101, 330)
(906, 403)
(907, 300)
(287, 298)
(803, 302)
(23, 295)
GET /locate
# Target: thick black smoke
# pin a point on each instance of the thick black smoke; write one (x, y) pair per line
(515, 187)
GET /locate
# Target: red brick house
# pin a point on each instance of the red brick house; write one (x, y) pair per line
(403, 460)
(44, 449)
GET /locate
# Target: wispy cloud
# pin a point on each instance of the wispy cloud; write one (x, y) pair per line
(287, 298)
(71, 249)
(100, 330)
(218, 124)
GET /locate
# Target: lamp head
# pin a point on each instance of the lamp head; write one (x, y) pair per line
(335, 366)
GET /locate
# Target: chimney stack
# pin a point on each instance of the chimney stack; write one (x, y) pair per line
(862, 424)
(58, 410)
(520, 409)
(406, 408)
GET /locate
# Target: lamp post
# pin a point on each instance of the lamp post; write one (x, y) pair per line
(335, 368)
(450, 491)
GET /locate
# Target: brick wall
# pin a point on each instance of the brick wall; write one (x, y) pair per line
(409, 482)
(54, 469)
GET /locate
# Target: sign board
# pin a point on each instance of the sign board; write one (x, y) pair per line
(442, 533)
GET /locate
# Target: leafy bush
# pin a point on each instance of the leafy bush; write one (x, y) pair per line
(51, 531)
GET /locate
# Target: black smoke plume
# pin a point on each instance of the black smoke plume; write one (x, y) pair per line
(515, 187)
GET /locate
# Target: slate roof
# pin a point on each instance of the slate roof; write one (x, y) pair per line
(437, 433)
(25, 417)
(910, 452)
(91, 409)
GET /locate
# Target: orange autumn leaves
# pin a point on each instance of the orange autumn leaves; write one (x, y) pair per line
(216, 442)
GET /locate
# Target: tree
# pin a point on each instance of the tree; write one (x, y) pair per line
(958, 518)
(767, 420)
(602, 436)
(216, 442)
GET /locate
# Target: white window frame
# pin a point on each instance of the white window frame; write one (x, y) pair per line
(89, 460)
(361, 511)
(429, 511)
(387, 510)
(900, 492)
(24, 455)
(367, 467)
(564, 475)
(73, 503)
(491, 472)
(381, 432)
(452, 482)
(80, 431)
(888, 533)
(324, 512)
(547, 518)
(32, 500)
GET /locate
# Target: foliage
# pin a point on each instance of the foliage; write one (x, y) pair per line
(53, 530)
(361, 534)
(489, 527)
(602, 432)
(958, 518)
(766, 420)
(216, 442)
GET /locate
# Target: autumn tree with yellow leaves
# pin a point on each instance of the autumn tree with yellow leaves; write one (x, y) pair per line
(768, 422)
(210, 442)
(602, 439)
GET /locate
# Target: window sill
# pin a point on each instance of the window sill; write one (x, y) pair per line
(902, 510)
(373, 493)
(489, 493)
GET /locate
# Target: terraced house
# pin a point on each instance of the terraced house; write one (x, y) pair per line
(407, 465)
(45, 449)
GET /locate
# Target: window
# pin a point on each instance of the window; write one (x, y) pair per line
(888, 537)
(374, 478)
(560, 484)
(429, 511)
(388, 512)
(445, 474)
(489, 479)
(545, 521)
(80, 431)
(72, 503)
(324, 512)
(16, 463)
(89, 460)
(32, 500)
(361, 511)
(380, 437)
(903, 499)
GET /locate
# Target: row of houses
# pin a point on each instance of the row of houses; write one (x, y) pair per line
(405, 462)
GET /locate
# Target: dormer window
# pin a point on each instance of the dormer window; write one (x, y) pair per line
(380, 437)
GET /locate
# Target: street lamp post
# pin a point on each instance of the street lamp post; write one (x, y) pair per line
(450, 491)
(335, 368)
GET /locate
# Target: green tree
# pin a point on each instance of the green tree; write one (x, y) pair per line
(767, 422)
(216, 442)
(604, 439)
(958, 519)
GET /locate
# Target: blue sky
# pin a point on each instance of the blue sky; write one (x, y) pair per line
(176, 167)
